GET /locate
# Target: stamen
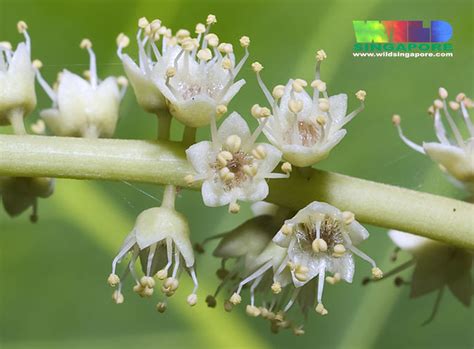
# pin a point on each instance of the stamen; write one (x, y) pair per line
(396, 120)
(257, 68)
(49, 91)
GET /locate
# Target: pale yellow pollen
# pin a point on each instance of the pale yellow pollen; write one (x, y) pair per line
(212, 39)
(339, 250)
(226, 63)
(250, 170)
(377, 273)
(259, 152)
(280, 316)
(295, 105)
(257, 67)
(244, 41)
(21, 26)
(333, 279)
(321, 120)
(298, 331)
(276, 287)
(113, 280)
(396, 119)
(438, 104)
(155, 25)
(138, 288)
(431, 110)
(85, 44)
(161, 307)
(287, 229)
(233, 143)
(147, 281)
(226, 175)
(286, 168)
(192, 299)
(323, 104)
(117, 297)
(297, 86)
(319, 245)
(252, 310)
(122, 81)
(235, 299)
(321, 309)
(443, 93)
(234, 208)
(188, 44)
(143, 22)
(147, 292)
(321, 55)
(348, 217)
(454, 105)
(460, 97)
(39, 127)
(183, 34)
(301, 273)
(221, 109)
(204, 54)
(360, 95)
(223, 157)
(260, 112)
(86, 74)
(211, 19)
(122, 40)
(162, 274)
(6, 45)
(200, 28)
(170, 284)
(278, 91)
(37, 64)
(189, 179)
(170, 72)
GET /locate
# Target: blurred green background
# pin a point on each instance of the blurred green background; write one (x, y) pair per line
(53, 292)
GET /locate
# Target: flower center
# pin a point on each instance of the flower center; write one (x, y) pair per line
(330, 232)
(309, 133)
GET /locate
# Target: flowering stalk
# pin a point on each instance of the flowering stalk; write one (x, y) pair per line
(435, 217)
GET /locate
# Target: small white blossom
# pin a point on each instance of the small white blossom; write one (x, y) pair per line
(318, 240)
(83, 108)
(306, 128)
(160, 239)
(152, 63)
(436, 266)
(202, 77)
(453, 153)
(17, 82)
(232, 166)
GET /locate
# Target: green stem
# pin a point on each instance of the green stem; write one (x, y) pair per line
(164, 126)
(189, 136)
(169, 197)
(16, 118)
(432, 216)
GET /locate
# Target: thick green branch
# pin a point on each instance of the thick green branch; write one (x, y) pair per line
(436, 217)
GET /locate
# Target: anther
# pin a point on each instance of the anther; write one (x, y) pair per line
(348, 217)
(278, 91)
(221, 109)
(211, 19)
(252, 310)
(143, 22)
(21, 26)
(223, 157)
(287, 229)
(233, 143)
(321, 55)
(37, 64)
(235, 299)
(360, 95)
(204, 55)
(257, 67)
(443, 93)
(438, 104)
(212, 40)
(85, 44)
(286, 168)
(244, 41)
(113, 280)
(234, 207)
(377, 273)
(295, 105)
(162, 274)
(321, 309)
(276, 287)
(192, 299)
(200, 28)
(259, 152)
(161, 307)
(319, 245)
(117, 297)
(396, 119)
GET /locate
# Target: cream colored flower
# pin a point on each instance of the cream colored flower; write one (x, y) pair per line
(160, 239)
(453, 153)
(306, 128)
(83, 108)
(152, 62)
(201, 77)
(233, 167)
(17, 82)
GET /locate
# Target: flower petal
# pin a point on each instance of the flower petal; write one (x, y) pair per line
(234, 124)
(199, 156)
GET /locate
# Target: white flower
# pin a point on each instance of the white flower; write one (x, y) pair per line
(317, 240)
(160, 238)
(20, 193)
(437, 266)
(83, 108)
(453, 153)
(152, 63)
(17, 82)
(201, 78)
(232, 166)
(306, 128)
